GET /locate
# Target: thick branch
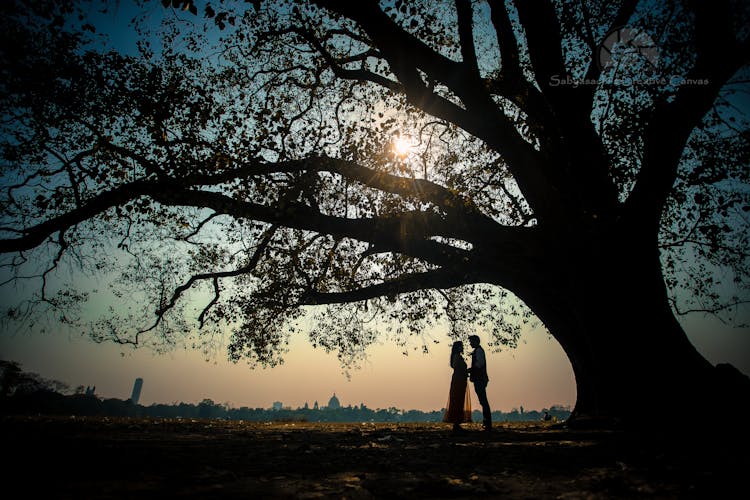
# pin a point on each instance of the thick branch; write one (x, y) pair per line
(438, 279)
(408, 233)
(421, 189)
(627, 8)
(407, 55)
(35, 235)
(513, 86)
(506, 39)
(404, 51)
(291, 215)
(719, 56)
(405, 233)
(466, 37)
(542, 29)
(579, 167)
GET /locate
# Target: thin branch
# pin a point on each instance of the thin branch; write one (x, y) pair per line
(349, 74)
(708, 310)
(213, 276)
(214, 300)
(63, 245)
(198, 228)
(713, 246)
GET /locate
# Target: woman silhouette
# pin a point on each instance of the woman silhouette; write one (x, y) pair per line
(458, 409)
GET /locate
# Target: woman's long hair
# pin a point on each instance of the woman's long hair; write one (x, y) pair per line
(456, 349)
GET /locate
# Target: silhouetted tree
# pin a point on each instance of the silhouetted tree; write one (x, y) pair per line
(15, 381)
(406, 161)
(10, 377)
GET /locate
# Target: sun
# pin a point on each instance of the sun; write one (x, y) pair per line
(402, 145)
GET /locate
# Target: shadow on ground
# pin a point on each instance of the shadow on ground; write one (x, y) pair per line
(113, 458)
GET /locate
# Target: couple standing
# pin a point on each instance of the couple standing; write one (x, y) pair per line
(458, 410)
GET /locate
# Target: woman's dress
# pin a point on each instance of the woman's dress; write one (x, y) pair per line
(458, 409)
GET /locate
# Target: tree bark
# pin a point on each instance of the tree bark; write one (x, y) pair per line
(606, 303)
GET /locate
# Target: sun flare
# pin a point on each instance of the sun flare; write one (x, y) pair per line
(402, 146)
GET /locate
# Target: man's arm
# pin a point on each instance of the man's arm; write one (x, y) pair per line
(478, 360)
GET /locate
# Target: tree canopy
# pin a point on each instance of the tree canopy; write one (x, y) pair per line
(349, 169)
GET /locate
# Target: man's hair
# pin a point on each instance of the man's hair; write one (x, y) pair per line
(474, 337)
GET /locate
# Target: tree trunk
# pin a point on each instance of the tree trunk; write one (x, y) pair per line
(632, 361)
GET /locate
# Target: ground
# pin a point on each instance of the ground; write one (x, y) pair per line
(117, 458)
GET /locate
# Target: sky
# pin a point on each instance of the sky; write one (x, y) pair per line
(535, 375)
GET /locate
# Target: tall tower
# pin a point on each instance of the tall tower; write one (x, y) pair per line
(136, 390)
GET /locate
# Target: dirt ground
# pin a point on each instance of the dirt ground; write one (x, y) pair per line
(111, 458)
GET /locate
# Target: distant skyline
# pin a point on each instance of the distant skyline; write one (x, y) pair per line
(535, 375)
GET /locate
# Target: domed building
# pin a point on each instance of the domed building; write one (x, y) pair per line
(334, 403)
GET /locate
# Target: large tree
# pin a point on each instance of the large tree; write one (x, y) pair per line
(347, 168)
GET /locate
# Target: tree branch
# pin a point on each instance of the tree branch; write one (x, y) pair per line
(627, 8)
(511, 84)
(35, 235)
(718, 56)
(215, 276)
(407, 55)
(437, 279)
(214, 300)
(405, 232)
(292, 215)
(543, 38)
(466, 37)
(348, 74)
(511, 68)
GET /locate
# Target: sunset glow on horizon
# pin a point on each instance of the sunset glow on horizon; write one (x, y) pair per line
(536, 375)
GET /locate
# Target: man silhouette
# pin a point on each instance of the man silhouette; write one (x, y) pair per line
(478, 375)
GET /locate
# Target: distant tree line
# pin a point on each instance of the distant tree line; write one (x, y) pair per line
(23, 393)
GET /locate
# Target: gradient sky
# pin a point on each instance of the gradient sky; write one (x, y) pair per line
(535, 375)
